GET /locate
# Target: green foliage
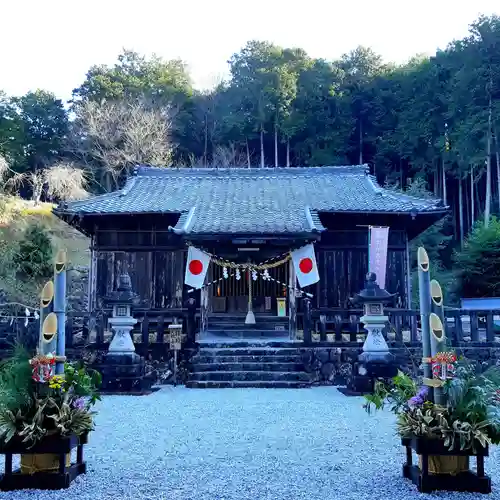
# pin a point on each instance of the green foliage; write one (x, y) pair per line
(45, 126)
(16, 388)
(397, 393)
(135, 76)
(68, 420)
(82, 382)
(478, 263)
(31, 410)
(471, 415)
(34, 257)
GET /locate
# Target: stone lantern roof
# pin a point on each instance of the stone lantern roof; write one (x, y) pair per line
(373, 293)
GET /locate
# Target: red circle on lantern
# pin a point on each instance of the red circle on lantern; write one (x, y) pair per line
(195, 267)
(306, 265)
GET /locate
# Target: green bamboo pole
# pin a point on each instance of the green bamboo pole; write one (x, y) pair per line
(438, 341)
(46, 306)
(48, 340)
(425, 307)
(60, 309)
(437, 308)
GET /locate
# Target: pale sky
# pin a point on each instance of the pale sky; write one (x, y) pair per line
(50, 44)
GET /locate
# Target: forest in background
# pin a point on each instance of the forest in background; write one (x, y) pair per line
(428, 127)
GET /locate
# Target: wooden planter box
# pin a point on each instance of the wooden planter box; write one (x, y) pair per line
(55, 445)
(426, 481)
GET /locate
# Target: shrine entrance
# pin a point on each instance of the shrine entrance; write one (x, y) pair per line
(230, 294)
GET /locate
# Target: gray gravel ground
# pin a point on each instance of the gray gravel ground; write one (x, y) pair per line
(255, 444)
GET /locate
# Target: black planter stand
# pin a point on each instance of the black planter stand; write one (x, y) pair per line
(474, 482)
(14, 480)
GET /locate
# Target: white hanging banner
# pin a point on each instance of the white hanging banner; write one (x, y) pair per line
(379, 239)
(304, 262)
(196, 267)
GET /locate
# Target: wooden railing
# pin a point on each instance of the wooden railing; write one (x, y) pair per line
(344, 326)
(92, 329)
(318, 326)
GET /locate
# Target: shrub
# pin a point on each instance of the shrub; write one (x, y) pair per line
(34, 257)
(477, 265)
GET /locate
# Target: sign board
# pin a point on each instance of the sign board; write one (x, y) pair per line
(281, 303)
(175, 337)
(267, 305)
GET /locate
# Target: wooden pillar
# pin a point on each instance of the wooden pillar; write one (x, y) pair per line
(292, 302)
(92, 283)
(408, 273)
(204, 309)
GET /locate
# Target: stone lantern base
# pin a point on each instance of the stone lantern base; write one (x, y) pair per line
(125, 374)
(366, 371)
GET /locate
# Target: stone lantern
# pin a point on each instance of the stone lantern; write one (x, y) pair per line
(122, 321)
(375, 361)
(123, 370)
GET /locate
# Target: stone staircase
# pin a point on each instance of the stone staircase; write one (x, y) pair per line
(265, 365)
(233, 326)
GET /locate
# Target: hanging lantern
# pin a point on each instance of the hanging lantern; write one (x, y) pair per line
(238, 275)
(266, 276)
(225, 274)
(254, 275)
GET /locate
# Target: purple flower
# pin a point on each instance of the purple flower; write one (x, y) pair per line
(423, 391)
(419, 398)
(79, 403)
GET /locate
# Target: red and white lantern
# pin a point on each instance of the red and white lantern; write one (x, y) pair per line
(304, 262)
(196, 267)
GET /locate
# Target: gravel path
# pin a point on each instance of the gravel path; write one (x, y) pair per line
(225, 444)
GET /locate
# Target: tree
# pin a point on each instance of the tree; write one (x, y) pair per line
(137, 77)
(113, 137)
(12, 138)
(34, 258)
(45, 125)
(477, 265)
(251, 72)
(359, 67)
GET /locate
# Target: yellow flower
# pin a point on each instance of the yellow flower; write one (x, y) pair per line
(56, 382)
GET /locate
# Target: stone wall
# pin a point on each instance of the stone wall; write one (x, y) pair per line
(334, 365)
(326, 365)
(78, 288)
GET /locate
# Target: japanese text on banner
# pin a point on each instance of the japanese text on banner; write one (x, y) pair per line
(379, 239)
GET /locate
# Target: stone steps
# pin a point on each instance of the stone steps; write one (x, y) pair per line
(246, 384)
(248, 367)
(222, 376)
(247, 358)
(243, 350)
(264, 366)
(251, 332)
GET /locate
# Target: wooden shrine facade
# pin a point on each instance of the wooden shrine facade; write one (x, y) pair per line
(246, 215)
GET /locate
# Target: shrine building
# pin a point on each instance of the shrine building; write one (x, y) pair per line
(247, 220)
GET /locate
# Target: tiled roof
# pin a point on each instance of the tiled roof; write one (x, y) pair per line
(256, 200)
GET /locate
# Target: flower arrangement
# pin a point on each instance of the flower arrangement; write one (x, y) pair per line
(469, 416)
(36, 403)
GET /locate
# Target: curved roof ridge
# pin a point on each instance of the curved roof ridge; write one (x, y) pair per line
(402, 195)
(147, 170)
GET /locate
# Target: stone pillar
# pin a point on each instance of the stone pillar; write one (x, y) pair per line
(122, 342)
(375, 347)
